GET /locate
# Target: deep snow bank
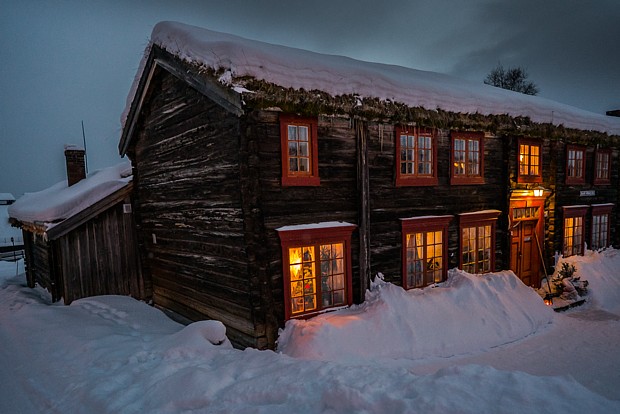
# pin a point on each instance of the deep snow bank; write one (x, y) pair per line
(468, 313)
(601, 270)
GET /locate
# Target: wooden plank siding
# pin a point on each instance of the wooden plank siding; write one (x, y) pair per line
(187, 173)
(97, 257)
(100, 258)
(39, 264)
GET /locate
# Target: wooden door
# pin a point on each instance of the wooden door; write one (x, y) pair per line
(524, 257)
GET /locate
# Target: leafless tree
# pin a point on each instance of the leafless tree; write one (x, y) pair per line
(514, 79)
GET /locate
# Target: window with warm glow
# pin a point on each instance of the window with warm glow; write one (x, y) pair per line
(424, 250)
(575, 165)
(299, 151)
(317, 269)
(600, 226)
(416, 155)
(573, 230)
(478, 241)
(602, 161)
(467, 157)
(530, 161)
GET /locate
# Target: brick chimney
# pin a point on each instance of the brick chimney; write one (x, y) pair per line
(76, 167)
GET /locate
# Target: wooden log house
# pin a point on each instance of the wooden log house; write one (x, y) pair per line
(261, 196)
(80, 237)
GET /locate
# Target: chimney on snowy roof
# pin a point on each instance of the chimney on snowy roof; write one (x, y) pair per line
(76, 167)
(613, 113)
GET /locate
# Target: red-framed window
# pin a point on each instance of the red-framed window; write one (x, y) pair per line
(416, 157)
(602, 167)
(575, 164)
(299, 142)
(478, 241)
(424, 250)
(574, 234)
(601, 216)
(467, 158)
(316, 262)
(529, 161)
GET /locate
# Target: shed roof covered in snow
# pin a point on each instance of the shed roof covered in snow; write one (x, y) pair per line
(58, 203)
(6, 198)
(237, 58)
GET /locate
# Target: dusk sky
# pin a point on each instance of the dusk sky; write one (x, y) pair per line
(68, 61)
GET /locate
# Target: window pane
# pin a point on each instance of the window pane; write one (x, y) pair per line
(292, 133)
(303, 149)
(293, 165)
(304, 165)
(332, 274)
(303, 287)
(303, 133)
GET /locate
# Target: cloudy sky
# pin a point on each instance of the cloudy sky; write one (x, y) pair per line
(64, 62)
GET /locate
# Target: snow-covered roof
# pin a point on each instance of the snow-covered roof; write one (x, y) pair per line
(294, 68)
(60, 202)
(6, 197)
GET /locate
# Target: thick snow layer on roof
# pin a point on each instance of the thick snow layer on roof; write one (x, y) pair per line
(338, 75)
(60, 202)
(6, 197)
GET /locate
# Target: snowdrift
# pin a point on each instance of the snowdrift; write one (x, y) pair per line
(466, 314)
(115, 354)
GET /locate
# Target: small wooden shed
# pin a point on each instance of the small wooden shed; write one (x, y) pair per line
(80, 240)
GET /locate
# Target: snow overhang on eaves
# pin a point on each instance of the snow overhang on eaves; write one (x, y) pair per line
(158, 59)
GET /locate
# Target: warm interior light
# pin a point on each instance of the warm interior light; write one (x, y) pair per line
(539, 191)
(548, 300)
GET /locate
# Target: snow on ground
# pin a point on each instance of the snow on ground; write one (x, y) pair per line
(473, 313)
(115, 354)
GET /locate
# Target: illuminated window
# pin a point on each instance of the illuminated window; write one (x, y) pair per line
(530, 164)
(467, 158)
(600, 225)
(573, 230)
(299, 151)
(424, 256)
(478, 241)
(575, 164)
(316, 267)
(602, 161)
(416, 155)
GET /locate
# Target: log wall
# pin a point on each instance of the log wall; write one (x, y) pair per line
(187, 178)
(389, 203)
(334, 200)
